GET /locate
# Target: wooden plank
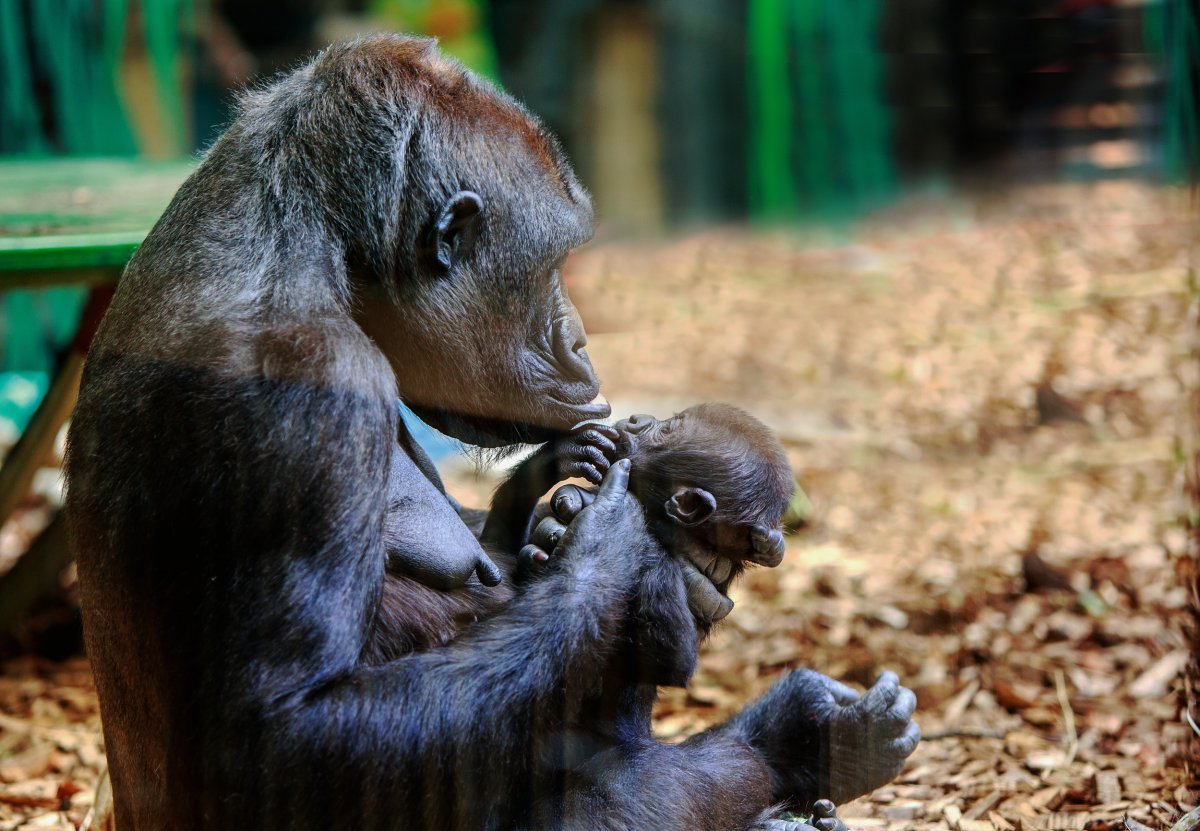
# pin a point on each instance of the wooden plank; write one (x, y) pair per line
(69, 251)
(62, 214)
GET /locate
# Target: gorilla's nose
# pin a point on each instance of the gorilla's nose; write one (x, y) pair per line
(569, 341)
(635, 423)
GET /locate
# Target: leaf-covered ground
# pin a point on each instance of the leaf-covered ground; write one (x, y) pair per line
(982, 398)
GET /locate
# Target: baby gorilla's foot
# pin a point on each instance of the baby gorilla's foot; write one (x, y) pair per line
(824, 818)
(586, 452)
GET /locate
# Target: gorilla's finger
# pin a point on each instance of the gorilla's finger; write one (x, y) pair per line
(717, 569)
(569, 500)
(488, 572)
(879, 698)
(904, 706)
(611, 495)
(704, 599)
(841, 693)
(547, 534)
(908, 740)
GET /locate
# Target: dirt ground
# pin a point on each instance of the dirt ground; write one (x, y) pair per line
(983, 399)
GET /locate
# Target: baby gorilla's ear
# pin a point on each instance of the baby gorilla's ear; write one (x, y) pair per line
(690, 506)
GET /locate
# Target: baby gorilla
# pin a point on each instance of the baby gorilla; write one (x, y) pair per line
(714, 484)
(713, 481)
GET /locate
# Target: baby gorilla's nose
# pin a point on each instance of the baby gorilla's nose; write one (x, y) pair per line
(635, 423)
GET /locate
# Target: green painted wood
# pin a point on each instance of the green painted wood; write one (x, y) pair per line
(77, 214)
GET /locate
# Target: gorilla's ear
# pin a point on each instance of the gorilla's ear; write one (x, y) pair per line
(455, 229)
(690, 506)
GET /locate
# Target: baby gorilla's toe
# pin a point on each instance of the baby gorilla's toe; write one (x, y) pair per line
(588, 453)
(825, 817)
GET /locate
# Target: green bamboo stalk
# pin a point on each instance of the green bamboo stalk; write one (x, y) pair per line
(772, 190)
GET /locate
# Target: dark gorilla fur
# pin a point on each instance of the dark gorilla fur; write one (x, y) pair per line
(376, 224)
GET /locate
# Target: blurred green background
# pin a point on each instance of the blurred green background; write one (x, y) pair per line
(678, 113)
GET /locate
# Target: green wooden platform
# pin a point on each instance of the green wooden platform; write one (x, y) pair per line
(63, 222)
(78, 220)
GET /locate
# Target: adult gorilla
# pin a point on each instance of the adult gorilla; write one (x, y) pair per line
(378, 224)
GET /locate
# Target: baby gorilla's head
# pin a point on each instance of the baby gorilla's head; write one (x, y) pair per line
(714, 482)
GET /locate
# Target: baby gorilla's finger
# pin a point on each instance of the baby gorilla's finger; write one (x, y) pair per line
(547, 534)
(591, 473)
(569, 500)
(824, 808)
(488, 572)
(589, 462)
(530, 556)
(704, 600)
(767, 545)
(825, 818)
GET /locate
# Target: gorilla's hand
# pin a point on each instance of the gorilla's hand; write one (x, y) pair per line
(823, 740)
(607, 521)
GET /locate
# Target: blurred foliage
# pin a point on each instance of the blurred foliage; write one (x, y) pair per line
(820, 140)
(1173, 30)
(457, 24)
(60, 65)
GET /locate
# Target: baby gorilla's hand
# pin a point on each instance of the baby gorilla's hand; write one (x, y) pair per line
(586, 452)
(766, 546)
(565, 505)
